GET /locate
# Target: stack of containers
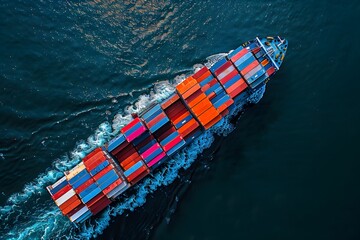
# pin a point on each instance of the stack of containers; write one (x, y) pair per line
(64, 196)
(149, 149)
(219, 98)
(99, 165)
(182, 119)
(248, 65)
(201, 106)
(126, 154)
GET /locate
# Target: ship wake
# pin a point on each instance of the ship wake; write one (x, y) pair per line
(32, 214)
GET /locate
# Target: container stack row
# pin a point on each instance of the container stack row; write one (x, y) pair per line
(124, 149)
(199, 102)
(182, 120)
(86, 189)
(191, 92)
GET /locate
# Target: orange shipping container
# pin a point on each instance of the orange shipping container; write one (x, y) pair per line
(202, 106)
(208, 115)
(170, 101)
(212, 122)
(186, 84)
(192, 90)
(236, 88)
(204, 76)
(188, 127)
(71, 206)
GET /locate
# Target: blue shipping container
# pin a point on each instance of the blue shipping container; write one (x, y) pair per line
(221, 101)
(114, 143)
(232, 81)
(147, 146)
(107, 175)
(135, 167)
(81, 181)
(84, 217)
(59, 187)
(88, 190)
(218, 64)
(99, 167)
(169, 138)
(91, 195)
(159, 124)
(176, 148)
(108, 181)
(240, 64)
(256, 75)
(233, 53)
(141, 138)
(154, 109)
(206, 80)
(133, 129)
(77, 176)
(183, 121)
(153, 154)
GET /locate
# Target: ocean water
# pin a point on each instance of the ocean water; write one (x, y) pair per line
(71, 72)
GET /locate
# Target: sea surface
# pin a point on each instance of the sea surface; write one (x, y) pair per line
(71, 72)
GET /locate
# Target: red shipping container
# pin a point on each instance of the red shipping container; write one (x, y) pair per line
(112, 186)
(95, 199)
(71, 206)
(200, 72)
(239, 55)
(99, 205)
(98, 157)
(137, 173)
(249, 67)
(191, 91)
(130, 125)
(145, 141)
(83, 186)
(165, 134)
(178, 114)
(127, 152)
(102, 172)
(227, 104)
(77, 208)
(223, 67)
(236, 89)
(61, 192)
(131, 163)
(120, 148)
(229, 76)
(181, 118)
(87, 157)
(204, 76)
(139, 177)
(68, 202)
(270, 71)
(133, 158)
(170, 101)
(172, 143)
(156, 120)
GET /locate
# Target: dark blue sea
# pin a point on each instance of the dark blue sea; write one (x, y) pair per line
(71, 72)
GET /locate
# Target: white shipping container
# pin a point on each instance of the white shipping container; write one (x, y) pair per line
(58, 182)
(65, 197)
(118, 190)
(226, 72)
(79, 213)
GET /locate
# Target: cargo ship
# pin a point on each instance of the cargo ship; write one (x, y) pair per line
(163, 129)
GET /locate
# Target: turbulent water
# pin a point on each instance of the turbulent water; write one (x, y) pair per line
(71, 72)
